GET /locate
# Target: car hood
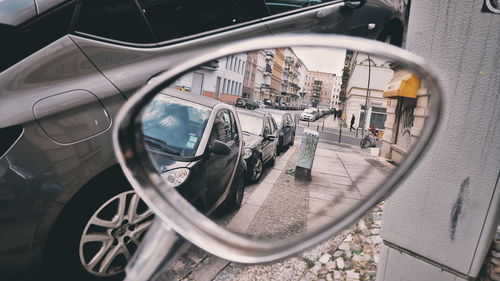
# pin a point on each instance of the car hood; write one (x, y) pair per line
(251, 140)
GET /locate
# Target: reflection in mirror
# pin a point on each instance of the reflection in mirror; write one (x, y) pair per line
(274, 143)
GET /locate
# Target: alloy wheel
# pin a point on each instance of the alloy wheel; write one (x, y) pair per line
(257, 170)
(113, 233)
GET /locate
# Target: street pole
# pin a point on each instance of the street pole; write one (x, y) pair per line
(367, 96)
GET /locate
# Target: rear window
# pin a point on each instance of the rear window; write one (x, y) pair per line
(119, 20)
(170, 19)
(19, 42)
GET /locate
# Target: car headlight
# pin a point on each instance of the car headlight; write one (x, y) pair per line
(176, 177)
(247, 153)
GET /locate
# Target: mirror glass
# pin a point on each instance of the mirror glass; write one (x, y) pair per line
(274, 143)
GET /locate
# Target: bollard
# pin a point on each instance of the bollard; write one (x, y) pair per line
(357, 132)
(305, 158)
(340, 132)
(307, 123)
(323, 126)
(317, 127)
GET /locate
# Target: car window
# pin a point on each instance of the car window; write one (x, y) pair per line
(176, 123)
(21, 41)
(234, 127)
(278, 118)
(114, 19)
(267, 127)
(170, 19)
(223, 126)
(274, 126)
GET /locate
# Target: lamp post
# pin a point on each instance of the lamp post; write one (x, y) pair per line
(367, 98)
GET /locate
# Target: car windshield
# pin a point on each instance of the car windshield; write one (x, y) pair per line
(310, 111)
(250, 124)
(174, 125)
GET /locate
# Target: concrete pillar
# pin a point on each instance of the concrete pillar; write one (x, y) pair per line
(305, 158)
(439, 224)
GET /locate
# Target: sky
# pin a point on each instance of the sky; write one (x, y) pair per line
(322, 59)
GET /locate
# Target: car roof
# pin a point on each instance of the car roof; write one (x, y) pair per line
(199, 99)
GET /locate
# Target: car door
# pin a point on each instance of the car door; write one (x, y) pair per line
(221, 167)
(266, 143)
(286, 126)
(131, 41)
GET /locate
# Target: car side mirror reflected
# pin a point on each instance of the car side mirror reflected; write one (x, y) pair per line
(220, 148)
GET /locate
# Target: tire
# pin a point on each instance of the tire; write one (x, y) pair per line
(257, 170)
(235, 198)
(292, 142)
(272, 161)
(280, 146)
(92, 230)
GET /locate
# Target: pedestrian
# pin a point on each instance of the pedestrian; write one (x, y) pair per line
(353, 119)
(334, 112)
(339, 113)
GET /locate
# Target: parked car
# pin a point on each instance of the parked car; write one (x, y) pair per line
(286, 127)
(260, 134)
(246, 103)
(268, 103)
(309, 114)
(68, 65)
(202, 181)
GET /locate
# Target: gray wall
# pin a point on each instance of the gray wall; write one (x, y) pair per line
(447, 209)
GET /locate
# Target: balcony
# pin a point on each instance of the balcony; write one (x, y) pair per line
(289, 59)
(269, 56)
(267, 70)
(265, 86)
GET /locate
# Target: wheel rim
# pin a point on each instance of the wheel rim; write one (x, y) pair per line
(113, 233)
(257, 169)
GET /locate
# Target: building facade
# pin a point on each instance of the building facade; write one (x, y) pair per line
(335, 94)
(221, 79)
(368, 77)
(320, 85)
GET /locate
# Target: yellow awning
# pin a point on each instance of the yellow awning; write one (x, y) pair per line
(406, 87)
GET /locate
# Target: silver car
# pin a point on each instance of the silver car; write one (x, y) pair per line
(66, 68)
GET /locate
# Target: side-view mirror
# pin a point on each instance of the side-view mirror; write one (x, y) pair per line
(332, 184)
(220, 148)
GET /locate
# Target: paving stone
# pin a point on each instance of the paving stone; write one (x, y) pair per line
(352, 274)
(340, 263)
(330, 265)
(325, 258)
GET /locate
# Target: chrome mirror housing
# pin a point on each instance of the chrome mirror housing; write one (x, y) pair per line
(186, 218)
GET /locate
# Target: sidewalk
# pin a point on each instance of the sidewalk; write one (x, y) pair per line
(280, 207)
(327, 123)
